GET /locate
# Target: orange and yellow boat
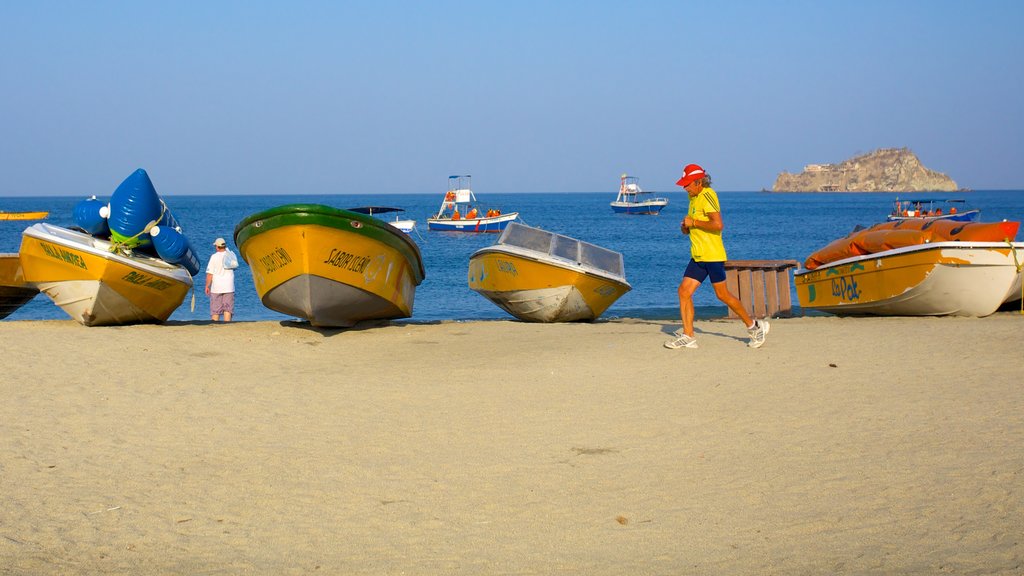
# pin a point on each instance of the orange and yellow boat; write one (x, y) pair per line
(915, 268)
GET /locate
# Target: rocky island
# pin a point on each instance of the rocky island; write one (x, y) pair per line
(884, 170)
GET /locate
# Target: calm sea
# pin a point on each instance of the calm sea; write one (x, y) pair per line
(758, 226)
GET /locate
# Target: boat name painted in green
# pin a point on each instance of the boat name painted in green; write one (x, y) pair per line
(63, 255)
(346, 261)
(277, 258)
(507, 267)
(146, 280)
(845, 289)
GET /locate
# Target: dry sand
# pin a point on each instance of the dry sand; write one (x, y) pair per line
(844, 446)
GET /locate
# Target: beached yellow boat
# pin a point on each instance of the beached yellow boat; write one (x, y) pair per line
(15, 292)
(933, 279)
(96, 286)
(23, 215)
(915, 268)
(330, 266)
(538, 276)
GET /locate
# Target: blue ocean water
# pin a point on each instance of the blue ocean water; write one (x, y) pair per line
(758, 226)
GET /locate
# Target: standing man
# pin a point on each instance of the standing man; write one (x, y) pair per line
(220, 281)
(703, 223)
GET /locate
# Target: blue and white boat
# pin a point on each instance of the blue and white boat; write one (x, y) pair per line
(633, 200)
(931, 209)
(459, 211)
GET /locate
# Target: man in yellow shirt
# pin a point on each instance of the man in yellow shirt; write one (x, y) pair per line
(703, 223)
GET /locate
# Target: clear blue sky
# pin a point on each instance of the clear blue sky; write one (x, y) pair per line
(382, 96)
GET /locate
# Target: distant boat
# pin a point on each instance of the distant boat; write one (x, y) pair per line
(23, 215)
(459, 211)
(330, 266)
(931, 209)
(538, 276)
(633, 200)
(97, 286)
(403, 224)
(15, 292)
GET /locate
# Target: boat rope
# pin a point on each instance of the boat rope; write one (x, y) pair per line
(124, 247)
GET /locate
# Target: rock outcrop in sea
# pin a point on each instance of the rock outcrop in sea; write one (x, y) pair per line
(884, 170)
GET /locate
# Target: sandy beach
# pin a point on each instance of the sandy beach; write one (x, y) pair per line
(843, 446)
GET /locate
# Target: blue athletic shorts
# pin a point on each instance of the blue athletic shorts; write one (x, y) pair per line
(701, 270)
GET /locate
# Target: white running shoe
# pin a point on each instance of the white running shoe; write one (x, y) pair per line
(683, 341)
(757, 333)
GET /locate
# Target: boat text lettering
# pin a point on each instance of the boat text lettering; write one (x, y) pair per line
(63, 255)
(146, 280)
(845, 289)
(277, 259)
(347, 261)
(507, 267)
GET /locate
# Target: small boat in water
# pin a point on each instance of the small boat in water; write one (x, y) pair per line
(15, 292)
(403, 224)
(459, 211)
(940, 268)
(931, 209)
(633, 200)
(97, 285)
(330, 266)
(538, 276)
(23, 215)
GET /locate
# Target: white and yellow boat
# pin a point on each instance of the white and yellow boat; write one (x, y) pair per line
(538, 276)
(98, 287)
(915, 268)
(15, 292)
(329, 266)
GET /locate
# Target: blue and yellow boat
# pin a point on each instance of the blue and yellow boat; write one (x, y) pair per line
(330, 266)
(538, 276)
(95, 284)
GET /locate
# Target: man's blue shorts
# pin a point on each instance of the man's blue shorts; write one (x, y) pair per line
(701, 270)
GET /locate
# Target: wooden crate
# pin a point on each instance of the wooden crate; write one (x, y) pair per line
(762, 286)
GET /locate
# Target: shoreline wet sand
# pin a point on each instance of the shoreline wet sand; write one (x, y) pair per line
(843, 446)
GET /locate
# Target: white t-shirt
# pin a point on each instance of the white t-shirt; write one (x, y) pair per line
(223, 280)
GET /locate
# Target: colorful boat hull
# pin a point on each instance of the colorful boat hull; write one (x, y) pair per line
(935, 279)
(95, 286)
(538, 286)
(329, 266)
(491, 224)
(15, 292)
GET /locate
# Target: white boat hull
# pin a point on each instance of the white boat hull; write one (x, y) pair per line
(558, 304)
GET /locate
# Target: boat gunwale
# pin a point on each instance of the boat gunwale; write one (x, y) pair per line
(954, 244)
(148, 263)
(545, 258)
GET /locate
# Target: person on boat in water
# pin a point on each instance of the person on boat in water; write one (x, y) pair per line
(703, 224)
(220, 281)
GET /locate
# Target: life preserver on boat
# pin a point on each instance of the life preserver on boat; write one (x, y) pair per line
(472, 214)
(952, 210)
(456, 215)
(449, 196)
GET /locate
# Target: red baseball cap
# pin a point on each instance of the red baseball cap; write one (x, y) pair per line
(690, 173)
